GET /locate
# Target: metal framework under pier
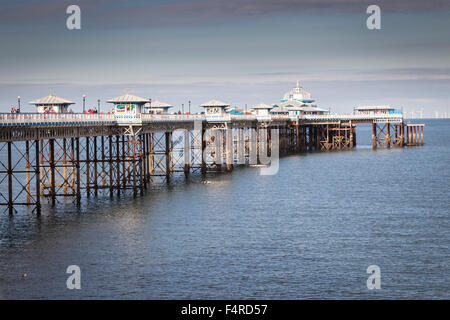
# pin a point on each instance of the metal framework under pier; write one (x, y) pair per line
(65, 163)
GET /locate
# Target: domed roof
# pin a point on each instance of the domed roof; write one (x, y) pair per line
(298, 94)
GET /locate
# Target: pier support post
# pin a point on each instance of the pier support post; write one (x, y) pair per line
(415, 135)
(187, 153)
(133, 164)
(144, 146)
(168, 137)
(141, 159)
(203, 140)
(27, 169)
(402, 135)
(388, 135)
(240, 146)
(10, 180)
(229, 156)
(118, 180)
(103, 162)
(374, 136)
(297, 139)
(38, 178)
(95, 177)
(88, 172)
(77, 169)
(125, 168)
(310, 138)
(253, 146)
(52, 171)
(351, 135)
(421, 135)
(110, 162)
(64, 164)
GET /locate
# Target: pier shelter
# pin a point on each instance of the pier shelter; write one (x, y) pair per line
(262, 111)
(128, 104)
(52, 104)
(157, 107)
(216, 110)
(377, 110)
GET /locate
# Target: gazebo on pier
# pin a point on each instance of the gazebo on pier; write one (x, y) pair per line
(128, 104)
(262, 111)
(157, 107)
(215, 110)
(52, 104)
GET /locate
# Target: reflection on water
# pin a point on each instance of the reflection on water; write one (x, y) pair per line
(308, 232)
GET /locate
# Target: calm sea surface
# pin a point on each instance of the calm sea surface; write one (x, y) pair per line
(308, 232)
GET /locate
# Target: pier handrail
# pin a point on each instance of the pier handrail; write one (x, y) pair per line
(23, 119)
(279, 117)
(350, 116)
(147, 117)
(243, 117)
(19, 118)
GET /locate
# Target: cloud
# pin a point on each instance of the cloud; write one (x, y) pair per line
(380, 74)
(134, 13)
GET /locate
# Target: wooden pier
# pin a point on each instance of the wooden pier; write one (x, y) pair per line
(53, 156)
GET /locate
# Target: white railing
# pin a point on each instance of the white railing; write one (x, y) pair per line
(37, 118)
(102, 118)
(279, 117)
(146, 117)
(243, 117)
(351, 116)
(218, 117)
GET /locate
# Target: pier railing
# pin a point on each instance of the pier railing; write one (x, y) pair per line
(352, 116)
(8, 119)
(146, 117)
(46, 119)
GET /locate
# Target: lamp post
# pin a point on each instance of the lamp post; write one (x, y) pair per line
(98, 101)
(189, 106)
(84, 103)
(18, 104)
(182, 108)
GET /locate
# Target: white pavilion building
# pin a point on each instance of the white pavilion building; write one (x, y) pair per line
(262, 111)
(297, 102)
(52, 104)
(157, 107)
(216, 110)
(128, 104)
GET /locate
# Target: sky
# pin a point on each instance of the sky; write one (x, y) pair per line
(238, 51)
